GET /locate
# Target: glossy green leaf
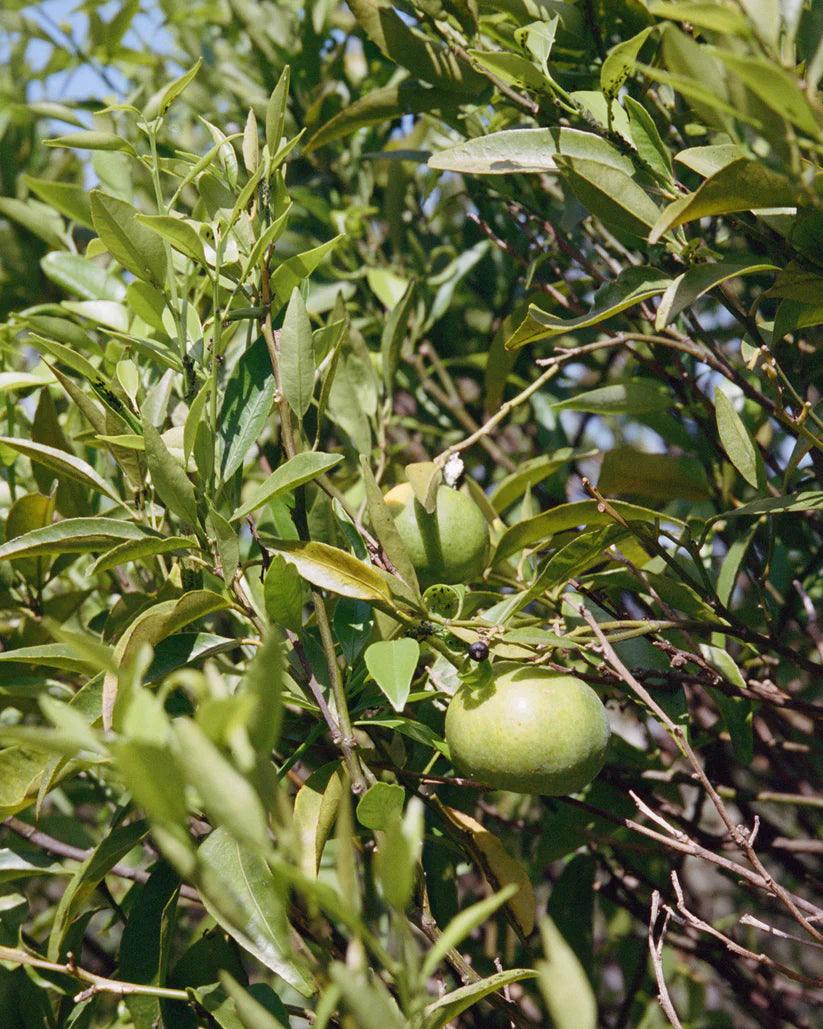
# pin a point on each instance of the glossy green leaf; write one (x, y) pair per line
(179, 232)
(165, 97)
(638, 396)
(392, 663)
(619, 63)
(333, 569)
(297, 471)
(137, 248)
(297, 356)
(527, 150)
(169, 480)
(292, 271)
(92, 871)
(541, 528)
(429, 61)
(245, 898)
(563, 982)
(91, 139)
(246, 406)
(227, 796)
(276, 111)
(37, 218)
(446, 1008)
(70, 199)
(73, 535)
(140, 550)
(386, 531)
(381, 805)
(735, 438)
(632, 286)
(698, 280)
(742, 185)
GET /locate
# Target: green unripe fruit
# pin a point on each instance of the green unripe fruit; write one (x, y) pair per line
(529, 731)
(451, 544)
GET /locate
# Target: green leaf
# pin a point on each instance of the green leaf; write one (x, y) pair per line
(380, 106)
(91, 139)
(179, 232)
(619, 63)
(297, 471)
(706, 160)
(183, 649)
(463, 923)
(527, 150)
(637, 396)
(245, 898)
(263, 683)
(632, 286)
(563, 983)
(152, 625)
(742, 185)
(542, 527)
(392, 663)
(73, 535)
(10, 382)
(37, 218)
(139, 550)
(425, 478)
(145, 945)
(170, 482)
(165, 97)
(333, 569)
(276, 111)
(381, 805)
(529, 473)
(47, 655)
(385, 529)
(81, 277)
(253, 1014)
(246, 406)
(14, 866)
(409, 48)
(715, 16)
(226, 540)
(79, 891)
(692, 284)
(68, 198)
(446, 1008)
(228, 798)
(297, 356)
(315, 809)
(513, 69)
(656, 476)
(394, 335)
(283, 594)
(611, 195)
(775, 86)
(735, 438)
(292, 271)
(137, 248)
(646, 139)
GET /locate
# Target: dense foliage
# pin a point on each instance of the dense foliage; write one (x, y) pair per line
(278, 258)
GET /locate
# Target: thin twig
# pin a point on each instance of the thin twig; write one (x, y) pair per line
(656, 951)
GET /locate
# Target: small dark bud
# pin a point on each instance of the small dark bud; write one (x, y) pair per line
(478, 651)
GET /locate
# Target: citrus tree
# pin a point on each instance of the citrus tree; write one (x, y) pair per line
(410, 486)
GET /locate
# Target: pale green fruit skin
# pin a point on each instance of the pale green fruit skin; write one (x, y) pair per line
(450, 545)
(529, 731)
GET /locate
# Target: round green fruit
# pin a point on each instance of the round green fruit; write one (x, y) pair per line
(450, 545)
(529, 731)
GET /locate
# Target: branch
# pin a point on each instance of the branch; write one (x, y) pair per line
(739, 834)
(656, 951)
